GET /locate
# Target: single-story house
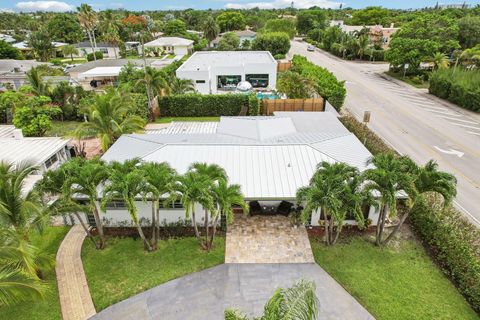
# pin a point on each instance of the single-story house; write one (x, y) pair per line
(109, 50)
(172, 45)
(23, 46)
(243, 35)
(269, 157)
(14, 72)
(7, 38)
(221, 71)
(46, 153)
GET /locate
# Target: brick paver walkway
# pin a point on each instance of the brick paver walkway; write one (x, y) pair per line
(266, 239)
(75, 300)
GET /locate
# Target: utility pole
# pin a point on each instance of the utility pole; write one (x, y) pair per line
(366, 120)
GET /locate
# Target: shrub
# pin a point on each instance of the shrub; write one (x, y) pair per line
(98, 54)
(454, 242)
(56, 62)
(275, 42)
(210, 105)
(459, 86)
(325, 83)
(253, 105)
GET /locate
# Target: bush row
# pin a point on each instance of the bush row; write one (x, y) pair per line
(372, 142)
(211, 105)
(326, 84)
(454, 242)
(459, 86)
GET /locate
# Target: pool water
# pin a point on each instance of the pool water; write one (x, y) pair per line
(267, 95)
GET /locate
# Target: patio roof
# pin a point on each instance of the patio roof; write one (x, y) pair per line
(102, 72)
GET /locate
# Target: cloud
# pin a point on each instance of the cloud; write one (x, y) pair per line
(55, 6)
(4, 10)
(276, 4)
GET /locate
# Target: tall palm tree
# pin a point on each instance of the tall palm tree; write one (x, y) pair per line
(324, 193)
(363, 44)
(440, 61)
(156, 85)
(390, 176)
(39, 86)
(16, 287)
(70, 50)
(41, 43)
(128, 182)
(88, 19)
(160, 176)
(181, 86)
(109, 117)
(112, 36)
(427, 179)
(225, 196)
(297, 302)
(210, 30)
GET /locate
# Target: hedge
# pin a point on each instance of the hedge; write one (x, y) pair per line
(210, 105)
(326, 84)
(98, 55)
(454, 242)
(459, 86)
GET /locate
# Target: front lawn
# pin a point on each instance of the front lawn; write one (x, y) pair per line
(398, 282)
(123, 269)
(50, 307)
(62, 128)
(170, 119)
(417, 83)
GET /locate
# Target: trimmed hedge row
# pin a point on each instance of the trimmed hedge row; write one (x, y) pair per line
(461, 87)
(210, 105)
(326, 84)
(454, 242)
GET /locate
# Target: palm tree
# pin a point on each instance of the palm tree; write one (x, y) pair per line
(440, 61)
(427, 179)
(39, 87)
(112, 36)
(155, 84)
(88, 19)
(16, 287)
(363, 43)
(109, 117)
(225, 196)
(160, 176)
(127, 181)
(70, 50)
(390, 176)
(324, 193)
(41, 43)
(210, 30)
(181, 86)
(297, 302)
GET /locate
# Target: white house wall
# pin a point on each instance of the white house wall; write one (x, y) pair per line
(204, 75)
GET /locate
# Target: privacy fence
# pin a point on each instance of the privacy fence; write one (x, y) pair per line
(271, 105)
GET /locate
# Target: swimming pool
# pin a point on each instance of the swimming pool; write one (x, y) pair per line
(267, 95)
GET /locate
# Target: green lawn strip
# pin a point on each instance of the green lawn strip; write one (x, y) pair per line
(49, 308)
(123, 269)
(170, 119)
(62, 128)
(400, 282)
(423, 85)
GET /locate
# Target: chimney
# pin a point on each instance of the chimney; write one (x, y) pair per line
(17, 134)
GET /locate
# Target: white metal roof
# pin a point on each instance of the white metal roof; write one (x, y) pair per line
(7, 131)
(169, 41)
(102, 72)
(271, 164)
(203, 60)
(186, 127)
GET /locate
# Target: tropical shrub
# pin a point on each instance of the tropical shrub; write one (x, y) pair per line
(253, 105)
(454, 243)
(275, 42)
(98, 54)
(325, 82)
(35, 117)
(198, 105)
(459, 86)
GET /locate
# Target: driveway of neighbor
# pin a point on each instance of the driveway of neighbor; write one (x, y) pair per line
(206, 294)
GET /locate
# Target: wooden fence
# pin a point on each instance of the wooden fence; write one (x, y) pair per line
(284, 65)
(312, 104)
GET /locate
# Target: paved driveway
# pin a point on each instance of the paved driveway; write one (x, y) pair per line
(206, 294)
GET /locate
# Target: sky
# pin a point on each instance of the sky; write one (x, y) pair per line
(66, 5)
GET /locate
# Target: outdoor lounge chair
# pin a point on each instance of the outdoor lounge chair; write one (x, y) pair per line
(284, 208)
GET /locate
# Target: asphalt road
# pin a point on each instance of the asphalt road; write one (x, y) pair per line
(412, 121)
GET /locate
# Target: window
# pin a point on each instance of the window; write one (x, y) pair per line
(116, 205)
(103, 50)
(228, 82)
(175, 205)
(51, 161)
(199, 81)
(257, 80)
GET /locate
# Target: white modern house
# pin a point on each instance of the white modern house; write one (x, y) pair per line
(269, 157)
(221, 71)
(172, 45)
(109, 50)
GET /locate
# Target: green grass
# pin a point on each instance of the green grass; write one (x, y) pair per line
(75, 60)
(123, 269)
(398, 76)
(50, 307)
(170, 119)
(62, 128)
(398, 282)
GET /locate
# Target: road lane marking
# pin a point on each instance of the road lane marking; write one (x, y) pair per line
(465, 126)
(437, 108)
(460, 120)
(450, 151)
(475, 133)
(440, 112)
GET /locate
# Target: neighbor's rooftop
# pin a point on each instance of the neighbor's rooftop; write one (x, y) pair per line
(203, 60)
(169, 41)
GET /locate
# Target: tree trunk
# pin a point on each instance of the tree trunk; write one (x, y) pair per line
(381, 225)
(89, 234)
(214, 231)
(94, 40)
(154, 224)
(115, 52)
(157, 220)
(99, 224)
(91, 44)
(397, 227)
(194, 223)
(142, 235)
(325, 219)
(71, 56)
(206, 229)
(337, 233)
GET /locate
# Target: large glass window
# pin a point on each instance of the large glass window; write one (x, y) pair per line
(257, 80)
(228, 82)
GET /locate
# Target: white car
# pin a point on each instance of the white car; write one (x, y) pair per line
(310, 48)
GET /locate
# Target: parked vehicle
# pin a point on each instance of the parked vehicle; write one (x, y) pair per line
(310, 48)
